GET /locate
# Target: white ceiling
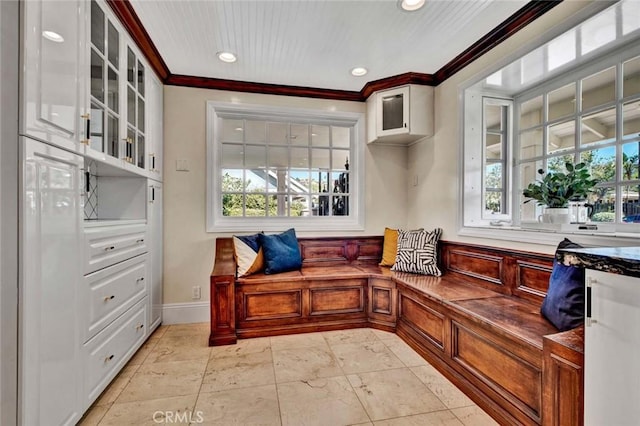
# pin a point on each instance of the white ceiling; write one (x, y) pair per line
(315, 43)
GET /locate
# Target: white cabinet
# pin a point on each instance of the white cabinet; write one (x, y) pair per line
(107, 245)
(136, 107)
(108, 293)
(53, 64)
(400, 116)
(612, 344)
(154, 223)
(104, 85)
(155, 131)
(107, 353)
(90, 271)
(50, 363)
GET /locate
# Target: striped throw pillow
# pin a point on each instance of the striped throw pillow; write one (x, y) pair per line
(418, 252)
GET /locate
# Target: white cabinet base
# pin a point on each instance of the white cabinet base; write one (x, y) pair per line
(50, 374)
(612, 344)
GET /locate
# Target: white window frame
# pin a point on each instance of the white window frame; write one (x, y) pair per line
(607, 62)
(216, 222)
(470, 125)
(507, 143)
(473, 199)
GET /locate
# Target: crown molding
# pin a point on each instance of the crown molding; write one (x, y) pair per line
(265, 88)
(523, 17)
(130, 20)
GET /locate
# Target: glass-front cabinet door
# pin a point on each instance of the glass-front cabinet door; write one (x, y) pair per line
(136, 105)
(53, 107)
(104, 137)
(117, 93)
(393, 111)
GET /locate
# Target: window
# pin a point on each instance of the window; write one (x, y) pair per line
(487, 184)
(273, 168)
(575, 97)
(496, 149)
(586, 120)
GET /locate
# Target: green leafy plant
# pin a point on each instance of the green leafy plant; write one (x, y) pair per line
(557, 189)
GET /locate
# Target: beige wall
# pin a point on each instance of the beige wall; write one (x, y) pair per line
(435, 201)
(392, 199)
(189, 249)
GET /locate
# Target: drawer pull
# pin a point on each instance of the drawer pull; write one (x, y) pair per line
(140, 279)
(141, 240)
(109, 358)
(107, 298)
(139, 327)
(109, 248)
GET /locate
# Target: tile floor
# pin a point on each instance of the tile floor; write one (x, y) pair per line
(351, 377)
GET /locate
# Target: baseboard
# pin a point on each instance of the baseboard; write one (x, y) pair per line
(185, 313)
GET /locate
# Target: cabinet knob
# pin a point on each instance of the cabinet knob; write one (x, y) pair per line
(107, 298)
(139, 327)
(109, 248)
(140, 279)
(141, 240)
(109, 358)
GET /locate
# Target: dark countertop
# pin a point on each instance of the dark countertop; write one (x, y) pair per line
(616, 260)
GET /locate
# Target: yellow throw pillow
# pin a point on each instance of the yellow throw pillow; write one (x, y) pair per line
(390, 247)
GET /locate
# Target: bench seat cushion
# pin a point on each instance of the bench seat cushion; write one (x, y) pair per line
(508, 315)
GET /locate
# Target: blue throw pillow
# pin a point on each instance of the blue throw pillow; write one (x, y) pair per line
(281, 252)
(564, 304)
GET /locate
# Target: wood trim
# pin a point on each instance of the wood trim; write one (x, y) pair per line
(130, 20)
(523, 17)
(264, 88)
(395, 81)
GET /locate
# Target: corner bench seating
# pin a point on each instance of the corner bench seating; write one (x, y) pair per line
(479, 324)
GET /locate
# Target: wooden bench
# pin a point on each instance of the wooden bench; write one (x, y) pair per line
(479, 324)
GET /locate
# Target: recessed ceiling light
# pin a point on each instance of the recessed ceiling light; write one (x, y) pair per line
(410, 5)
(53, 36)
(226, 57)
(238, 129)
(359, 71)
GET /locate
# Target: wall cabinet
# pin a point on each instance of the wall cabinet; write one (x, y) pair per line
(155, 131)
(400, 116)
(50, 387)
(612, 342)
(105, 83)
(53, 109)
(87, 88)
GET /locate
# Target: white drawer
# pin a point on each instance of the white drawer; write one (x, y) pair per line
(107, 353)
(107, 293)
(108, 245)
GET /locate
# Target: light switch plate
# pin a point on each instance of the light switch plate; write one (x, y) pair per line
(182, 165)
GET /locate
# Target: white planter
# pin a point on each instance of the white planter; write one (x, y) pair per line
(555, 215)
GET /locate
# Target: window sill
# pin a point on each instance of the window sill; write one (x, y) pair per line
(314, 224)
(550, 237)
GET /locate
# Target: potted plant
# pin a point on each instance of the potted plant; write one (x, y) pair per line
(557, 189)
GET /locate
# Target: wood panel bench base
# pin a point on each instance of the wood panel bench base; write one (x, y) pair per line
(479, 324)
